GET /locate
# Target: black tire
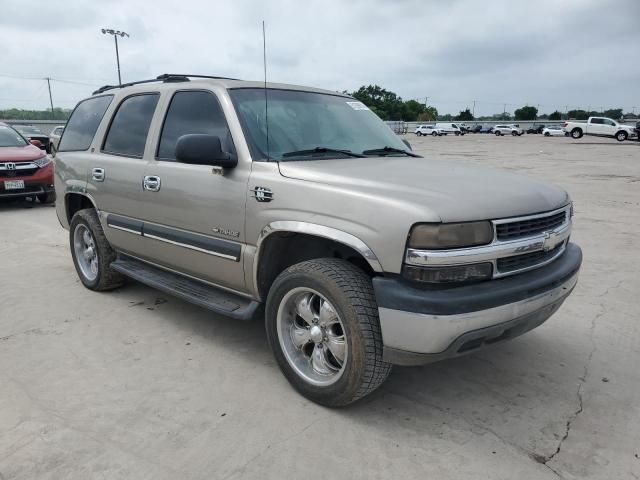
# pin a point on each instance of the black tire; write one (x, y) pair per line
(576, 133)
(434, 134)
(350, 291)
(547, 134)
(621, 136)
(514, 134)
(498, 133)
(419, 134)
(106, 279)
(46, 198)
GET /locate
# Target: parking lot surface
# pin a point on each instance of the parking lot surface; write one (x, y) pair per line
(135, 384)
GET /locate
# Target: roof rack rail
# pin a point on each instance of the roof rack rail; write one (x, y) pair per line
(165, 78)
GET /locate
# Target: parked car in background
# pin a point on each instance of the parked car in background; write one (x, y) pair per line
(535, 128)
(553, 131)
(25, 170)
(507, 130)
(450, 128)
(54, 138)
(475, 129)
(429, 130)
(487, 129)
(599, 127)
(637, 129)
(33, 133)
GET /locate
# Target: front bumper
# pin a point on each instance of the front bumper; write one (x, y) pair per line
(421, 326)
(41, 182)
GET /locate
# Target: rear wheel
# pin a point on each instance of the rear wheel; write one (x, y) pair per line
(322, 325)
(92, 255)
(498, 133)
(434, 134)
(621, 136)
(514, 134)
(576, 133)
(419, 134)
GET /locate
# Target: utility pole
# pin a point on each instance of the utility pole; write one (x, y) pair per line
(504, 112)
(50, 97)
(116, 34)
(473, 113)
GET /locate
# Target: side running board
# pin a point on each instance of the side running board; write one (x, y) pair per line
(212, 298)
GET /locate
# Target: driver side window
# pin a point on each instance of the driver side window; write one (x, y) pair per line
(193, 111)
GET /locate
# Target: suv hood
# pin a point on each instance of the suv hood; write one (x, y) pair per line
(439, 189)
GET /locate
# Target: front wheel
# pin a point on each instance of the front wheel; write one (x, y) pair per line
(498, 134)
(514, 134)
(419, 134)
(547, 134)
(621, 136)
(323, 328)
(47, 198)
(434, 134)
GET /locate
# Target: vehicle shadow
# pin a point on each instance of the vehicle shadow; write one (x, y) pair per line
(26, 203)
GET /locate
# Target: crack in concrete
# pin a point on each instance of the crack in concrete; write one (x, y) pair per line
(582, 380)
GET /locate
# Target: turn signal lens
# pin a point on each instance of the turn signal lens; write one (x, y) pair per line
(438, 236)
(459, 273)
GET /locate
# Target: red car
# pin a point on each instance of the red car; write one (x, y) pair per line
(25, 170)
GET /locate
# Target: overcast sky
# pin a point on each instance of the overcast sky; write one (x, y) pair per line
(554, 53)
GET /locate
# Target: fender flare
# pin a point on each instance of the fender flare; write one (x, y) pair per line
(317, 231)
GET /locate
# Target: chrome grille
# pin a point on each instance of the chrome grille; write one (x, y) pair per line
(532, 226)
(527, 260)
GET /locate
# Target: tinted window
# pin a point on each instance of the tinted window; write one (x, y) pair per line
(599, 121)
(128, 131)
(83, 123)
(193, 112)
(609, 122)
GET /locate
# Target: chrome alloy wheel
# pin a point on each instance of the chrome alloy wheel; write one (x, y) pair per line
(84, 246)
(312, 336)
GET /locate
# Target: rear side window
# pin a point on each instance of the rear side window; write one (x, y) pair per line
(193, 112)
(84, 122)
(130, 125)
(599, 121)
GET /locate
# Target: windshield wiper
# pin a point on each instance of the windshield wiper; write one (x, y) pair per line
(388, 150)
(314, 151)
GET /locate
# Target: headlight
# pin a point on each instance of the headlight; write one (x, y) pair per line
(438, 236)
(459, 273)
(42, 161)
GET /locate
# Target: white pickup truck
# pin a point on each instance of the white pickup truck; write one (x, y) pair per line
(599, 126)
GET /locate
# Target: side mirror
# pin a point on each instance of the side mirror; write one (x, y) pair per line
(36, 143)
(406, 142)
(202, 149)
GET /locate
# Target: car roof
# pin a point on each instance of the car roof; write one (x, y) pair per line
(227, 83)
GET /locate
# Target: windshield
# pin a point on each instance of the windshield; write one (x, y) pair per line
(10, 138)
(27, 129)
(305, 121)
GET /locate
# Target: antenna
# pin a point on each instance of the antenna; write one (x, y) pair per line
(266, 103)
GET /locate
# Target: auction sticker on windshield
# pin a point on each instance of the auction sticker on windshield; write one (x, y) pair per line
(358, 105)
(13, 184)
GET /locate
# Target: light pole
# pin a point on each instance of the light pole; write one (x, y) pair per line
(116, 34)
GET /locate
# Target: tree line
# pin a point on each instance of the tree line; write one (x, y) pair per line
(389, 106)
(20, 114)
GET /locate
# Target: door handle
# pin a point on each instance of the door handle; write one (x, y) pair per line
(151, 183)
(98, 174)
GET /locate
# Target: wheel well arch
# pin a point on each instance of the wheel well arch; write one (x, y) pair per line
(281, 249)
(74, 202)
